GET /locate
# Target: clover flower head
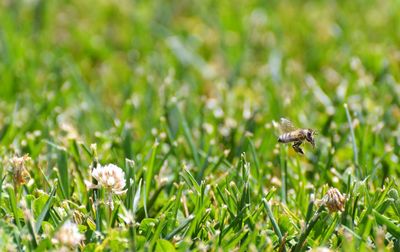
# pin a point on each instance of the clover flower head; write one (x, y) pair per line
(110, 177)
(68, 235)
(334, 200)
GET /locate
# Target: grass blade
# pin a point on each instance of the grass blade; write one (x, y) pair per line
(150, 169)
(45, 210)
(13, 204)
(353, 140)
(189, 138)
(308, 229)
(275, 225)
(383, 220)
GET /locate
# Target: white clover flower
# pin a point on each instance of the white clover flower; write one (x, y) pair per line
(68, 235)
(218, 112)
(111, 177)
(321, 249)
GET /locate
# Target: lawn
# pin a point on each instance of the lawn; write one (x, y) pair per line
(154, 125)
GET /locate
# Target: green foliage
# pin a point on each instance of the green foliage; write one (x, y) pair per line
(184, 96)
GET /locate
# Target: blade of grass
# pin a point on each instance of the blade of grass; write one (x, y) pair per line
(306, 231)
(383, 220)
(62, 168)
(13, 204)
(31, 232)
(188, 137)
(190, 180)
(179, 228)
(353, 141)
(137, 197)
(45, 210)
(255, 158)
(283, 165)
(273, 221)
(150, 168)
(1, 186)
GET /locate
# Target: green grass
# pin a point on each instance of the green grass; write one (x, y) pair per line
(182, 96)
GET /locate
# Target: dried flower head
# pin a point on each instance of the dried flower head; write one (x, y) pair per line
(110, 177)
(68, 235)
(19, 170)
(334, 200)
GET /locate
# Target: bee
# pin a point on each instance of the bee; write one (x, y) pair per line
(297, 136)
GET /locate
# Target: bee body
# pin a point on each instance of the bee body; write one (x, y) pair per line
(293, 136)
(297, 136)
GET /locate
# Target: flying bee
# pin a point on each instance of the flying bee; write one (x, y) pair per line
(297, 136)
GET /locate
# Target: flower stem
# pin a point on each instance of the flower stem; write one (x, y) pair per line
(308, 229)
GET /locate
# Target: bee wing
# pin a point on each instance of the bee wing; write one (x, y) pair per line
(286, 125)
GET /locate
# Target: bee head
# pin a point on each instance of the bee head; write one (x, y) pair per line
(310, 136)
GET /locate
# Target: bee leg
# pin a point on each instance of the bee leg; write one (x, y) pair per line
(296, 147)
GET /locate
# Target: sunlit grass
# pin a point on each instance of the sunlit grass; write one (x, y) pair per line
(182, 96)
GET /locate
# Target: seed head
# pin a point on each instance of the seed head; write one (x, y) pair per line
(19, 170)
(334, 200)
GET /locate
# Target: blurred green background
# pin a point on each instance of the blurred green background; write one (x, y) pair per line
(92, 65)
(88, 63)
